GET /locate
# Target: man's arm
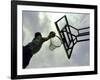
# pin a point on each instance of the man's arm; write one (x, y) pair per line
(46, 39)
(51, 35)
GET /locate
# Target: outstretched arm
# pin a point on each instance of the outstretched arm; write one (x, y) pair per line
(45, 39)
(51, 35)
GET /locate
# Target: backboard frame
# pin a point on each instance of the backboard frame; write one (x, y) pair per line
(69, 40)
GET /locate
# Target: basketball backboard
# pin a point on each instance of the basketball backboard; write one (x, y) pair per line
(70, 35)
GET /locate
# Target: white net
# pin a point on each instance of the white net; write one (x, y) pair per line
(55, 43)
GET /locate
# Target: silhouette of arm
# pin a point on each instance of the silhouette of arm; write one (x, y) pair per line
(51, 35)
(46, 39)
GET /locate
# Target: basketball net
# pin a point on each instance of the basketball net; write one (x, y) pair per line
(55, 43)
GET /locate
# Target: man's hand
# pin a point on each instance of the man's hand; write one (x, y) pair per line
(52, 34)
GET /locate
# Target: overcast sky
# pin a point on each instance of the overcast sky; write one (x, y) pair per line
(44, 22)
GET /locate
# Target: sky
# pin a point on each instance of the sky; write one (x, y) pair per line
(33, 21)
